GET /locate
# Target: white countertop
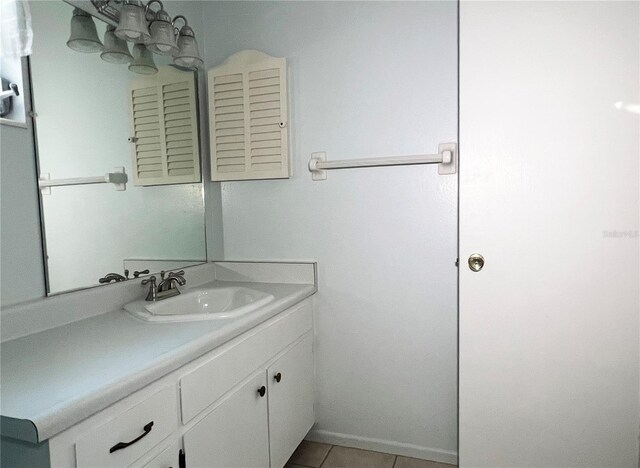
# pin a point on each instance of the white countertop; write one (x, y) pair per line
(54, 379)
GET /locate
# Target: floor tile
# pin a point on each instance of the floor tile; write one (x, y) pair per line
(345, 457)
(310, 454)
(404, 462)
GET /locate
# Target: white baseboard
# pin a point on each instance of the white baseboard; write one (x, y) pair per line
(386, 446)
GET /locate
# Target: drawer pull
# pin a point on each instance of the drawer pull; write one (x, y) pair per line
(262, 390)
(123, 445)
(277, 377)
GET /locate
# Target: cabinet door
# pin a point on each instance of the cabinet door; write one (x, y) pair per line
(164, 127)
(290, 400)
(234, 434)
(248, 117)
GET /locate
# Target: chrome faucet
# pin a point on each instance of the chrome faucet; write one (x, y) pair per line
(172, 282)
(168, 287)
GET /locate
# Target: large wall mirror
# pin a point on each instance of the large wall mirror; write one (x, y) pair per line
(85, 129)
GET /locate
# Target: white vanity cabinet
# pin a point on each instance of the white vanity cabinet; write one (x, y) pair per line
(261, 423)
(246, 403)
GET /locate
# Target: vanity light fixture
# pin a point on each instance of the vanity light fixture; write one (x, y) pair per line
(188, 55)
(143, 63)
(115, 49)
(132, 25)
(139, 24)
(163, 36)
(83, 37)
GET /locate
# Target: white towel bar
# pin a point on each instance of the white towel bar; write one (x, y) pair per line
(447, 160)
(118, 178)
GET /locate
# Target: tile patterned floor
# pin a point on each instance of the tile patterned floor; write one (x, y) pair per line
(316, 455)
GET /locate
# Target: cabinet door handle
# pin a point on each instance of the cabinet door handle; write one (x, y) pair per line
(277, 377)
(262, 390)
(122, 445)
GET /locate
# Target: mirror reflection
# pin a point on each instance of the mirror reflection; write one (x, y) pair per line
(97, 121)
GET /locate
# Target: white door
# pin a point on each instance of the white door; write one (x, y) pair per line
(290, 400)
(233, 435)
(549, 186)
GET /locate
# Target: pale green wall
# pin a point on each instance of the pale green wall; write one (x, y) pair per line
(21, 273)
(17, 454)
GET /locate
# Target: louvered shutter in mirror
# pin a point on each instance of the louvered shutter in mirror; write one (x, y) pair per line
(248, 117)
(165, 128)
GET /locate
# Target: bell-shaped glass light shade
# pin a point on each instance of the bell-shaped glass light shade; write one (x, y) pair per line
(163, 38)
(188, 55)
(133, 23)
(143, 63)
(84, 37)
(115, 49)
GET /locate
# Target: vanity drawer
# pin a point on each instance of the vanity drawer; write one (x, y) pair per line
(161, 409)
(214, 378)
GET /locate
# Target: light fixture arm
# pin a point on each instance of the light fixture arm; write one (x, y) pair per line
(148, 9)
(173, 23)
(106, 10)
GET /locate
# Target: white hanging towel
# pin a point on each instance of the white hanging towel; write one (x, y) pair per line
(15, 29)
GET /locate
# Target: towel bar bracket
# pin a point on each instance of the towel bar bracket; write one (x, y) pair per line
(449, 164)
(316, 173)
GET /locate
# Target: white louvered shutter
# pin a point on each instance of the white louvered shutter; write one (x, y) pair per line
(248, 118)
(165, 128)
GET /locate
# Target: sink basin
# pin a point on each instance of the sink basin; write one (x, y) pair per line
(201, 304)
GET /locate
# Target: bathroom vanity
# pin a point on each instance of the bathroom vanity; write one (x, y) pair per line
(116, 390)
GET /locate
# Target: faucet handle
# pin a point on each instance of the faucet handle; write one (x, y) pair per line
(179, 277)
(109, 277)
(151, 280)
(152, 295)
